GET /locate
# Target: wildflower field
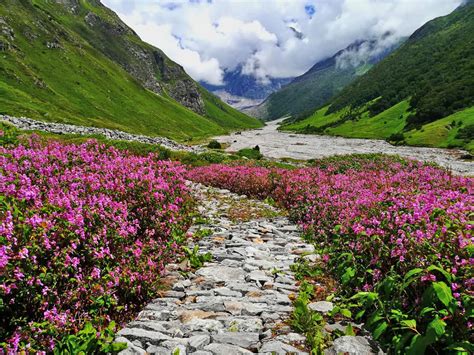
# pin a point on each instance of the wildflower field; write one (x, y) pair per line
(396, 234)
(85, 232)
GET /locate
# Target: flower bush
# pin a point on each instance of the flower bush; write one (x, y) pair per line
(398, 234)
(85, 232)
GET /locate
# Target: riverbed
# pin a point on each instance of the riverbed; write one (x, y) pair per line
(276, 144)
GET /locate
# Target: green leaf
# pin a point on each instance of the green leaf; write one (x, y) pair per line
(349, 330)
(409, 323)
(346, 313)
(380, 330)
(418, 345)
(437, 326)
(443, 292)
(408, 279)
(348, 275)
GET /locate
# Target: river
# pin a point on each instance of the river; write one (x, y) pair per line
(276, 144)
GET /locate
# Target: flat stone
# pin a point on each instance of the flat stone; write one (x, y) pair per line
(321, 306)
(259, 276)
(221, 273)
(234, 308)
(224, 291)
(143, 335)
(245, 324)
(244, 340)
(204, 325)
(189, 315)
(157, 350)
(351, 345)
(279, 348)
(220, 349)
(199, 341)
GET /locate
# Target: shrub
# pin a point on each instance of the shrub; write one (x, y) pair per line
(85, 231)
(214, 145)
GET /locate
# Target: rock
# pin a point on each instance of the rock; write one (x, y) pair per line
(189, 315)
(199, 341)
(152, 337)
(321, 306)
(234, 308)
(220, 349)
(312, 257)
(131, 349)
(279, 348)
(243, 340)
(221, 273)
(157, 350)
(245, 324)
(351, 345)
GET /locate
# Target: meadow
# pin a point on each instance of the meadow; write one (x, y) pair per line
(86, 229)
(396, 234)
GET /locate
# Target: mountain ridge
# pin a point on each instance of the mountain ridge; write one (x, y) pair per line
(76, 62)
(321, 82)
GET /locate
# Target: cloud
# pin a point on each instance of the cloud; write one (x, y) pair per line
(268, 39)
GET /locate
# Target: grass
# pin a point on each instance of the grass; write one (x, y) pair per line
(78, 84)
(441, 133)
(445, 131)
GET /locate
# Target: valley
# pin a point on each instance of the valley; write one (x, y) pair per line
(277, 144)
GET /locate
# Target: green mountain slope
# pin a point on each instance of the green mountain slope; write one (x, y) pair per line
(75, 61)
(320, 83)
(434, 69)
(412, 95)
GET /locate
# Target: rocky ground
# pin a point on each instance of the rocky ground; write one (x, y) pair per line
(238, 303)
(276, 144)
(59, 128)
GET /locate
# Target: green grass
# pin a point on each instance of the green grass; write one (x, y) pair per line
(380, 126)
(441, 133)
(78, 84)
(317, 119)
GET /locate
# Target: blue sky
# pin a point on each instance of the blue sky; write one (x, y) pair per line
(269, 38)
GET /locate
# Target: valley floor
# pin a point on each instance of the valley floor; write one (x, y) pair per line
(276, 144)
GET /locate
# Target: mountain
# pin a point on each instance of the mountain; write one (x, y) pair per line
(75, 61)
(244, 90)
(325, 79)
(421, 94)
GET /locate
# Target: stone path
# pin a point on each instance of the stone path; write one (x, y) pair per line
(236, 304)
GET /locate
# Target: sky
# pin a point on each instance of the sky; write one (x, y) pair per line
(269, 38)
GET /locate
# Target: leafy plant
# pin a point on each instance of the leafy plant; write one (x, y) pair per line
(89, 340)
(196, 259)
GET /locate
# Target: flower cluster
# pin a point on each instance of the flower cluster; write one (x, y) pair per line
(85, 232)
(377, 218)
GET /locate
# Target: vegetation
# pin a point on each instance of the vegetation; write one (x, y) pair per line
(250, 153)
(394, 233)
(433, 69)
(84, 232)
(55, 67)
(390, 125)
(214, 144)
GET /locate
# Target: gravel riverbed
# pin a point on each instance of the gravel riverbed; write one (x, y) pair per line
(276, 144)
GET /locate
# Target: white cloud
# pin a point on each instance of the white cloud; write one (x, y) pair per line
(206, 37)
